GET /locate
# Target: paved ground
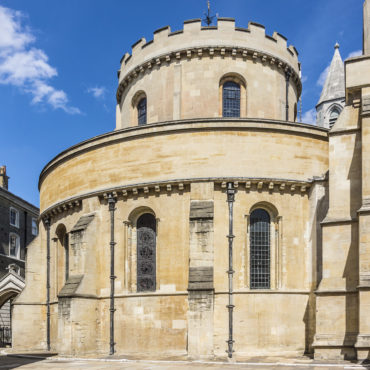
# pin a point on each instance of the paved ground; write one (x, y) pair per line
(11, 362)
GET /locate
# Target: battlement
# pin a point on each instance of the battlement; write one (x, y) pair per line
(195, 40)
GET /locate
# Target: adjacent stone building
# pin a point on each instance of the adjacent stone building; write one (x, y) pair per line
(209, 223)
(18, 227)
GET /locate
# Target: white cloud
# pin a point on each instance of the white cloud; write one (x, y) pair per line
(27, 67)
(304, 79)
(97, 92)
(355, 53)
(11, 34)
(309, 117)
(323, 75)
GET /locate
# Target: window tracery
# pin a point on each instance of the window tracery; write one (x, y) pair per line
(146, 253)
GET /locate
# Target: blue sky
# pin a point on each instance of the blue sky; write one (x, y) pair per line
(59, 62)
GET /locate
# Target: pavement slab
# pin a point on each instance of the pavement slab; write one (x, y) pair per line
(27, 362)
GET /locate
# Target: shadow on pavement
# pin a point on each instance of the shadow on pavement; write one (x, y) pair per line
(16, 360)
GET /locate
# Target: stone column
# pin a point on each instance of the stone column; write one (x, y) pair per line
(177, 91)
(201, 290)
(367, 27)
(363, 338)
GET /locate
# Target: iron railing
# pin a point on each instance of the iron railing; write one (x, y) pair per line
(5, 336)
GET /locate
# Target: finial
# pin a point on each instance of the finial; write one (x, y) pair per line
(336, 46)
(208, 18)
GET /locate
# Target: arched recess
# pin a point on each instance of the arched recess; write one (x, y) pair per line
(332, 114)
(295, 112)
(229, 82)
(263, 250)
(139, 108)
(61, 256)
(141, 256)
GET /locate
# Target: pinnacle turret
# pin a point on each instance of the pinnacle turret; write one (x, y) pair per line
(332, 97)
(334, 83)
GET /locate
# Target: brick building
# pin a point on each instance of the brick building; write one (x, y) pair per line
(18, 227)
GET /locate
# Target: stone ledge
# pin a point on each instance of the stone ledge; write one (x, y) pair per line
(363, 341)
(71, 286)
(334, 340)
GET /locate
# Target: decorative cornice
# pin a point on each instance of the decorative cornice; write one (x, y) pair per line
(199, 52)
(179, 186)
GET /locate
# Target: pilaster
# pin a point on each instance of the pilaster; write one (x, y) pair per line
(201, 289)
(337, 296)
(363, 338)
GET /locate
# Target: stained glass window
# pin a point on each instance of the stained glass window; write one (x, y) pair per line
(146, 253)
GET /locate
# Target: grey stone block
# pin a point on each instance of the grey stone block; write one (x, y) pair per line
(71, 285)
(82, 223)
(201, 210)
(201, 278)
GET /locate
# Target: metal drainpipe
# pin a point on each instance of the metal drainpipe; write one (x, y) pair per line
(111, 203)
(230, 272)
(288, 73)
(47, 224)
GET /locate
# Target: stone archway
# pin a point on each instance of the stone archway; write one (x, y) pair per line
(10, 286)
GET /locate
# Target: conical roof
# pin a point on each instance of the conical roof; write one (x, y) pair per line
(334, 83)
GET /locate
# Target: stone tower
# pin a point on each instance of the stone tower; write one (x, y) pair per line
(332, 97)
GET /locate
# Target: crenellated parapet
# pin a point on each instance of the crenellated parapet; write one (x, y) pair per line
(196, 41)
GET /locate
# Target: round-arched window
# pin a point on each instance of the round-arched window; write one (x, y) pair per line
(259, 249)
(231, 99)
(146, 253)
(141, 111)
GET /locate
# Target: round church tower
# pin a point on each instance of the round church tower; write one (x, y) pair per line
(186, 74)
(136, 220)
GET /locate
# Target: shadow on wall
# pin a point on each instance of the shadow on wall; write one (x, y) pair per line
(309, 317)
(351, 269)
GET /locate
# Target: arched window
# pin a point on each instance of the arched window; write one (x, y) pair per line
(62, 255)
(231, 99)
(146, 253)
(259, 249)
(141, 111)
(66, 251)
(334, 114)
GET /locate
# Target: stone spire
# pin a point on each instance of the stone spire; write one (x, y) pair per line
(332, 97)
(334, 83)
(366, 47)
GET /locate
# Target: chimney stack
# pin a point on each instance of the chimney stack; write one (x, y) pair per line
(3, 178)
